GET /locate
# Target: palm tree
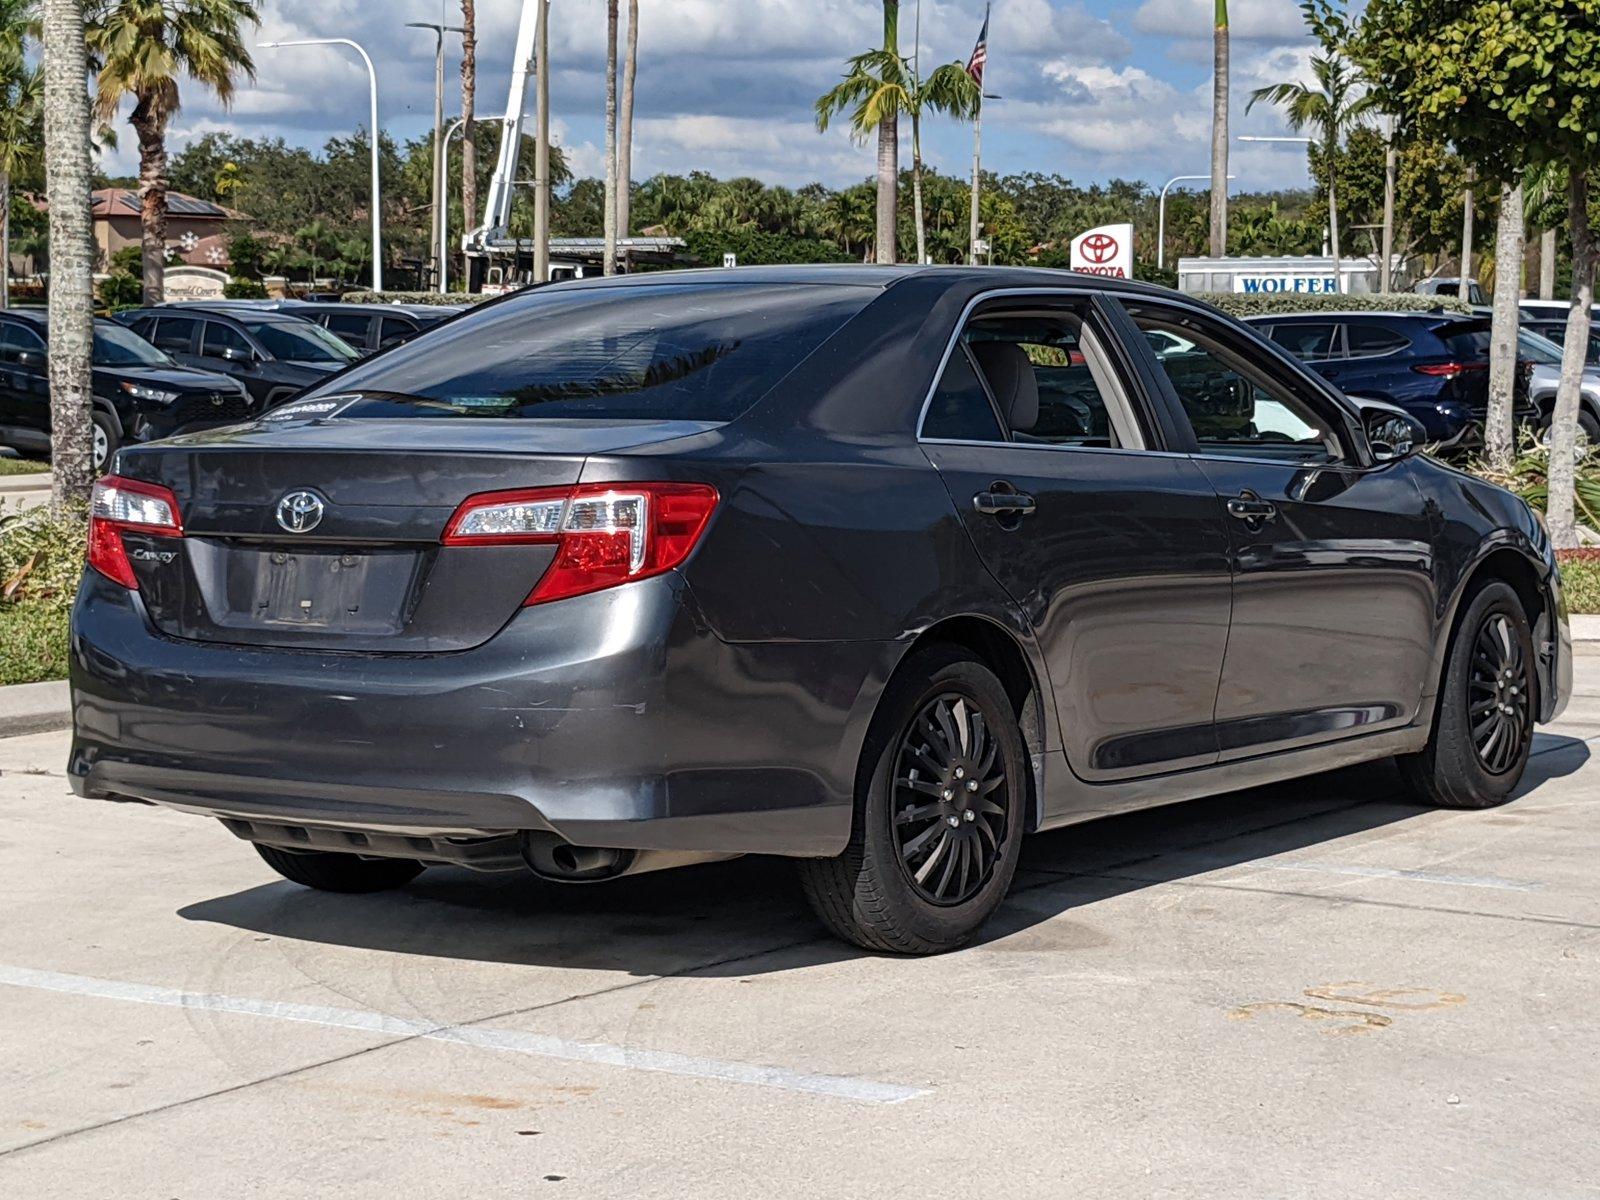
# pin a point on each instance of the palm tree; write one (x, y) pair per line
(72, 251)
(142, 48)
(469, 93)
(1219, 131)
(630, 68)
(1332, 107)
(872, 91)
(21, 90)
(949, 89)
(610, 217)
(313, 237)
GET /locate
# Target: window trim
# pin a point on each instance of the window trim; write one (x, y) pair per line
(1297, 377)
(1136, 393)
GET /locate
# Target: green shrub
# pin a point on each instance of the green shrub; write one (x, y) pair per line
(121, 291)
(1255, 304)
(41, 558)
(1580, 578)
(755, 248)
(411, 298)
(244, 289)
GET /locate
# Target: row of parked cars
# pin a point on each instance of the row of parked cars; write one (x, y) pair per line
(1435, 365)
(172, 367)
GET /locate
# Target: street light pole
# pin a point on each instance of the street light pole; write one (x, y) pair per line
(377, 194)
(1161, 216)
(444, 218)
(441, 251)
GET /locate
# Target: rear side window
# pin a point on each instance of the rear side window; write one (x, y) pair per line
(350, 326)
(220, 338)
(1367, 337)
(1465, 339)
(671, 351)
(1306, 341)
(960, 409)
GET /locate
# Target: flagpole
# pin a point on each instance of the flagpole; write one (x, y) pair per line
(977, 155)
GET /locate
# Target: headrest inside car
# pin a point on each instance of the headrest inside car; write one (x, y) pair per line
(1010, 374)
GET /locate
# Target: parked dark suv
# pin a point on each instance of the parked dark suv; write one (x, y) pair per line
(139, 393)
(1433, 365)
(273, 355)
(366, 328)
(877, 568)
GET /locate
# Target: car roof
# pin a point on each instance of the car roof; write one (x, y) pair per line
(222, 311)
(1434, 314)
(863, 275)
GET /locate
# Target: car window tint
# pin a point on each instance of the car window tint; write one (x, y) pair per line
(1467, 340)
(960, 409)
(1046, 354)
(14, 339)
(394, 329)
(1234, 409)
(1307, 340)
(220, 338)
(667, 351)
(1368, 337)
(175, 334)
(350, 326)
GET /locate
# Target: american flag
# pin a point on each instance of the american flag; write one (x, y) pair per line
(980, 52)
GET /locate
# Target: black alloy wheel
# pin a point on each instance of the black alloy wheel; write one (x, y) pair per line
(1499, 694)
(951, 800)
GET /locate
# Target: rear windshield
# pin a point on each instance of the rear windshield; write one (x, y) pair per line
(669, 351)
(1466, 339)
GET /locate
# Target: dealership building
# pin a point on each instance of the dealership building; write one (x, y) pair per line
(1307, 275)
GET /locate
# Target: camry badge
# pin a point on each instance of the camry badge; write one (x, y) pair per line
(300, 512)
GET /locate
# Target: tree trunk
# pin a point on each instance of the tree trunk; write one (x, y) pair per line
(1547, 265)
(1390, 165)
(916, 187)
(610, 261)
(1560, 513)
(630, 69)
(72, 253)
(1219, 133)
(5, 240)
(1464, 285)
(1499, 436)
(469, 95)
(1333, 221)
(888, 150)
(151, 127)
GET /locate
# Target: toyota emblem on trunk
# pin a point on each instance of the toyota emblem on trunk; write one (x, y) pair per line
(300, 512)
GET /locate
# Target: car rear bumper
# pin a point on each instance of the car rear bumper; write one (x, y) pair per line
(610, 720)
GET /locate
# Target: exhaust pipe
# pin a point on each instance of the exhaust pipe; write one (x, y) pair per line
(561, 862)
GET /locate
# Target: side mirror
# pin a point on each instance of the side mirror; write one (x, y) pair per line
(234, 354)
(1392, 432)
(30, 358)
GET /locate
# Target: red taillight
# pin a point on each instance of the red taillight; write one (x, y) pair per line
(1449, 370)
(119, 506)
(604, 534)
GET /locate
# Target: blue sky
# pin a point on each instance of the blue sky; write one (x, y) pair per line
(1093, 89)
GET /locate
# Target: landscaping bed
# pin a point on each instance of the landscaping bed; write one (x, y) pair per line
(41, 558)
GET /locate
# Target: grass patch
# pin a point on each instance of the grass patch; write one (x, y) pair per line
(23, 466)
(41, 558)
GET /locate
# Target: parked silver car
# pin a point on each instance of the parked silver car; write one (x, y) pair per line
(1545, 378)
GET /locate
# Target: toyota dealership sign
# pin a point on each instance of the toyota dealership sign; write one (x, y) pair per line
(1107, 250)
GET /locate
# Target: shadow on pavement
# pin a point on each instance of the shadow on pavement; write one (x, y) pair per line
(747, 917)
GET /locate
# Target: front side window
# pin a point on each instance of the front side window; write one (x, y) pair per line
(668, 351)
(175, 335)
(350, 326)
(220, 338)
(1308, 340)
(299, 341)
(1235, 407)
(14, 340)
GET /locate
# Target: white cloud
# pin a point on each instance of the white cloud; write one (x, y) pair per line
(1248, 20)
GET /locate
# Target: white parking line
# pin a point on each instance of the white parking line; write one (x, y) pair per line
(840, 1087)
(1474, 881)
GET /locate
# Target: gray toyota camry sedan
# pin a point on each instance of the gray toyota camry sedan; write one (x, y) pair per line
(878, 569)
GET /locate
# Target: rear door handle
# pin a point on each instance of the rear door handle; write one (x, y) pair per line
(1004, 503)
(1249, 507)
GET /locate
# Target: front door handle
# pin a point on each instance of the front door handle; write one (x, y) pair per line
(1002, 504)
(1251, 509)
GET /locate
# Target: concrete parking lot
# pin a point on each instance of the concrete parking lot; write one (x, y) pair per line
(1309, 989)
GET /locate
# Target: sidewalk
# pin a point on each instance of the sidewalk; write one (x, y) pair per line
(27, 490)
(34, 708)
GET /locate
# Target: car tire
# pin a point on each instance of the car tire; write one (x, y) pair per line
(105, 441)
(332, 872)
(1588, 424)
(1487, 706)
(920, 884)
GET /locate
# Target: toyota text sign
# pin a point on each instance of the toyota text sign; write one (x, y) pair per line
(1107, 250)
